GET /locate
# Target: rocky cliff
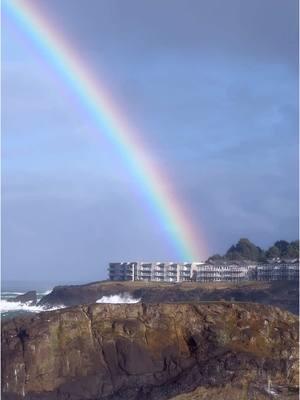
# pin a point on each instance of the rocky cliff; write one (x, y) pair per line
(153, 352)
(283, 294)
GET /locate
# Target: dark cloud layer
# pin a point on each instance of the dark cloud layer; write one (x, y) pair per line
(211, 87)
(265, 30)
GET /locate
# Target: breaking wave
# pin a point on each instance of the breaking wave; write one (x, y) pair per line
(8, 306)
(46, 292)
(118, 299)
(10, 294)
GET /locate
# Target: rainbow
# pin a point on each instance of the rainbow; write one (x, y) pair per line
(97, 101)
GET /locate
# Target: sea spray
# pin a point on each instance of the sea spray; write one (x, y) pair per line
(9, 306)
(45, 293)
(118, 299)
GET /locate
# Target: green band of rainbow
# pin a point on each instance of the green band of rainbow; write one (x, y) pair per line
(99, 104)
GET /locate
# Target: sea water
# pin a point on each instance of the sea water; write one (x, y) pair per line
(11, 289)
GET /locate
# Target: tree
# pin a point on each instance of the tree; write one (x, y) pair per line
(245, 250)
(273, 252)
(282, 246)
(215, 257)
(293, 249)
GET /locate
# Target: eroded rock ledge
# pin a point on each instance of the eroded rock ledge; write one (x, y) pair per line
(282, 294)
(153, 352)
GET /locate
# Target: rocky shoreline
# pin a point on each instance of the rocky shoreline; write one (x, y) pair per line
(282, 294)
(210, 350)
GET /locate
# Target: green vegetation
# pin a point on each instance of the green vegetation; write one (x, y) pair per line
(246, 250)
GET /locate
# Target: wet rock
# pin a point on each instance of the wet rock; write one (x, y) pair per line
(28, 297)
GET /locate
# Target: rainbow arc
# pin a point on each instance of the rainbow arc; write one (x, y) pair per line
(97, 100)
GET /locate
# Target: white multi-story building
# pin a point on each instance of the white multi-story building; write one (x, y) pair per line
(148, 271)
(225, 272)
(278, 272)
(122, 271)
(201, 272)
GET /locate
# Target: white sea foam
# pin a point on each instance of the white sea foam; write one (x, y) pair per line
(11, 294)
(46, 292)
(118, 299)
(8, 306)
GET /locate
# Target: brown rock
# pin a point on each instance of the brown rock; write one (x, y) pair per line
(139, 352)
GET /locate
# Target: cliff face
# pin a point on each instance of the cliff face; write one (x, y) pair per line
(153, 352)
(283, 294)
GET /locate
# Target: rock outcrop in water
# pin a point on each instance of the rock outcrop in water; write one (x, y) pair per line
(283, 294)
(153, 352)
(28, 297)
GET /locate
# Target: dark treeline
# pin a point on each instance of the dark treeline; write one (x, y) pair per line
(246, 250)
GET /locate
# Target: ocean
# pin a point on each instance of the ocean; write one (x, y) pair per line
(11, 289)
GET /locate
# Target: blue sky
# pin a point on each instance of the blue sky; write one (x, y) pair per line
(211, 87)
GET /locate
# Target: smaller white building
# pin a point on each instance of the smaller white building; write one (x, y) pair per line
(224, 272)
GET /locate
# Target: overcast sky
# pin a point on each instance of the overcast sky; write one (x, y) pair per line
(212, 88)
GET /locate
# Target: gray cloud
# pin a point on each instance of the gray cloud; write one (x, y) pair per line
(266, 30)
